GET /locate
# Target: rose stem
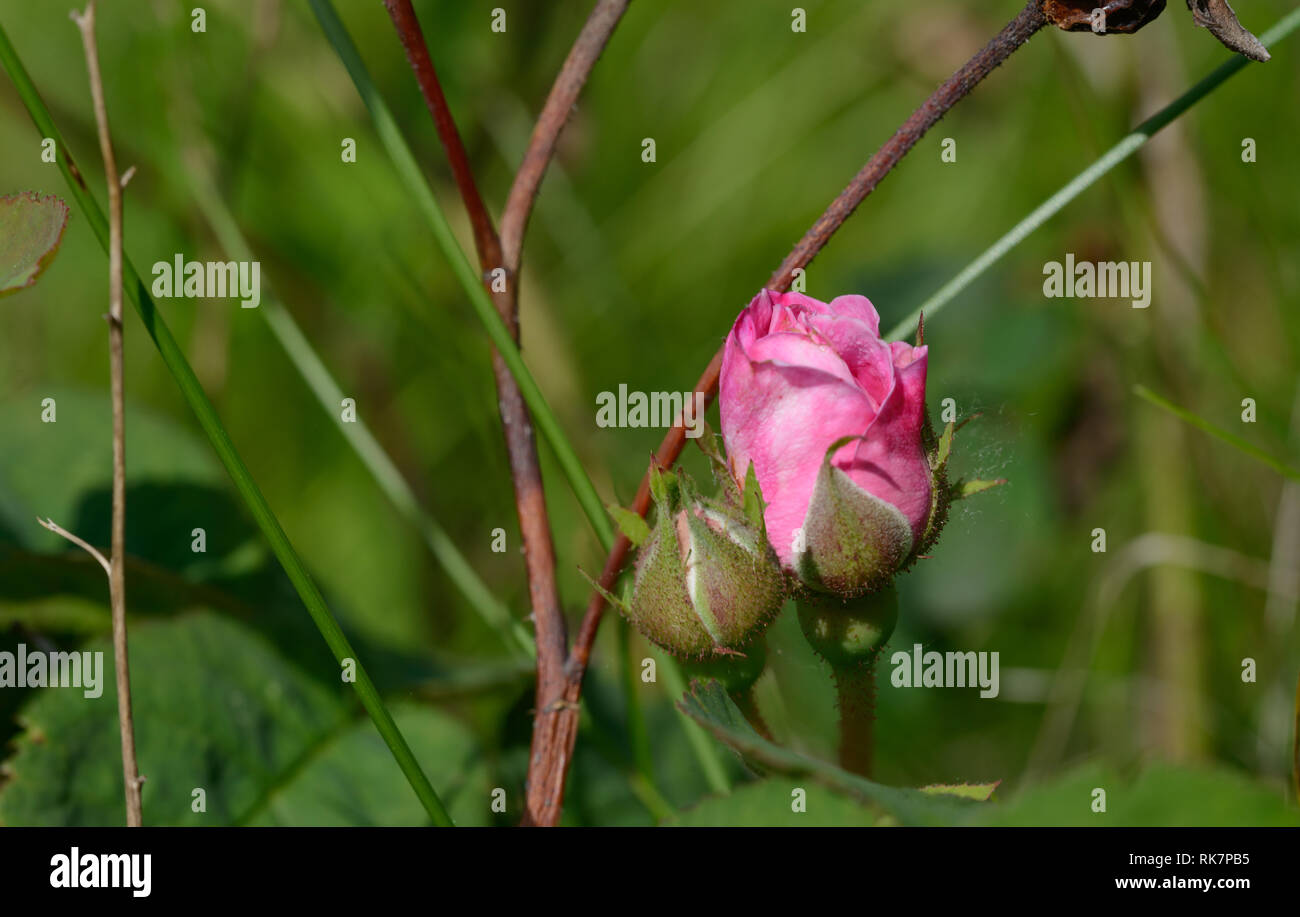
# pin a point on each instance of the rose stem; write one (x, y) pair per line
(953, 90)
(855, 689)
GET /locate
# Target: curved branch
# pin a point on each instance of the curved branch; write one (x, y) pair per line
(404, 19)
(555, 114)
(521, 445)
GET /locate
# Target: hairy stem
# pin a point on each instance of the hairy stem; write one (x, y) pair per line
(117, 559)
(855, 689)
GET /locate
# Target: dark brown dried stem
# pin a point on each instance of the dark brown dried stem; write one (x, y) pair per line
(1015, 34)
(117, 572)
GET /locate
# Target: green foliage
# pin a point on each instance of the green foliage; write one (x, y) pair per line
(633, 273)
(215, 708)
(708, 704)
(218, 709)
(980, 792)
(770, 804)
(1217, 432)
(352, 780)
(630, 524)
(1161, 795)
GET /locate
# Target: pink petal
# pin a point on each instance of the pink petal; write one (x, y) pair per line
(783, 418)
(890, 462)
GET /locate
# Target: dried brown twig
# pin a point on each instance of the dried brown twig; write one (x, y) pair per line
(117, 560)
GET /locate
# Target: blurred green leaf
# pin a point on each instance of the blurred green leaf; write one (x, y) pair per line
(770, 803)
(31, 228)
(218, 709)
(215, 709)
(1162, 795)
(707, 703)
(63, 470)
(68, 592)
(352, 780)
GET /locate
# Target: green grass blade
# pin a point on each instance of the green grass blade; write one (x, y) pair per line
(466, 274)
(358, 435)
(1205, 426)
(1111, 158)
(198, 401)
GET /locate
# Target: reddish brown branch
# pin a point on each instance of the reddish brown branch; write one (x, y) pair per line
(486, 242)
(555, 726)
(555, 114)
(521, 445)
(1015, 34)
(544, 793)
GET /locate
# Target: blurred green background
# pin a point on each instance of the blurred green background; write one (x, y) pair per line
(633, 272)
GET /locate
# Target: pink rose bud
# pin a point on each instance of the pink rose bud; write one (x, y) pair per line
(833, 420)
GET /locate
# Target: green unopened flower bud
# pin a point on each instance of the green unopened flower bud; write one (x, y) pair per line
(707, 582)
(852, 542)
